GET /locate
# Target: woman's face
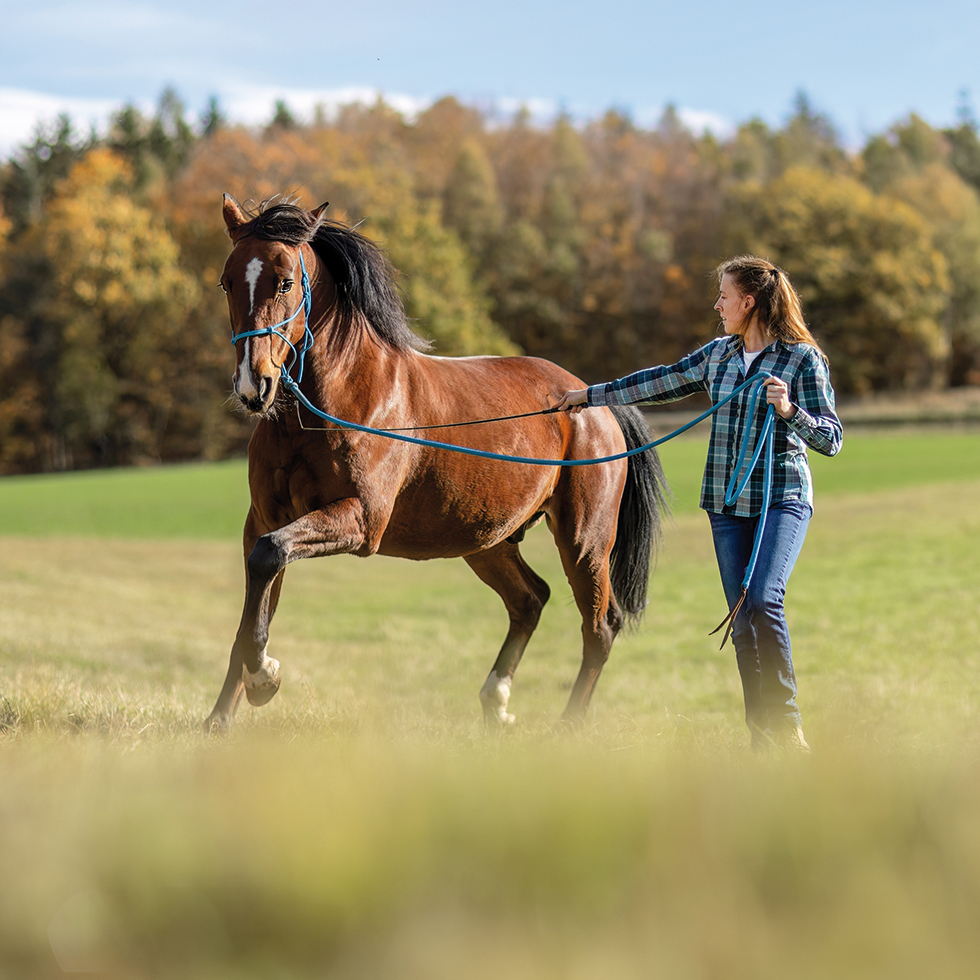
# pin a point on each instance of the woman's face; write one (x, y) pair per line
(732, 306)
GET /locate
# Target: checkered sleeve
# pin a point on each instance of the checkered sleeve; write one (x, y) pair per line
(816, 421)
(665, 383)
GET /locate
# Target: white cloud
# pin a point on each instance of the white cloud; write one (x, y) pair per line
(21, 112)
(698, 122)
(256, 105)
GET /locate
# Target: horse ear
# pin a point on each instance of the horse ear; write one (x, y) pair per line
(319, 211)
(232, 213)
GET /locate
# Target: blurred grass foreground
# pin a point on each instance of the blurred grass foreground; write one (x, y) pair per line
(259, 858)
(364, 825)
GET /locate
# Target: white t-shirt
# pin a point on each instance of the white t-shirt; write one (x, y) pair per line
(748, 357)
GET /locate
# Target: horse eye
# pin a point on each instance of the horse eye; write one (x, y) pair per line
(285, 285)
(223, 287)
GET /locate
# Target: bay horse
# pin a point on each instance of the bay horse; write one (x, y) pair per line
(315, 298)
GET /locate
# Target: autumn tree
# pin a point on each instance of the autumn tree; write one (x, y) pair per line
(589, 244)
(28, 178)
(919, 165)
(109, 320)
(872, 283)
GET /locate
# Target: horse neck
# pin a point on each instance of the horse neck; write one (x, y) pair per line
(348, 367)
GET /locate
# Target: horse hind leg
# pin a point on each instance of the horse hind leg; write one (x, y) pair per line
(524, 594)
(602, 619)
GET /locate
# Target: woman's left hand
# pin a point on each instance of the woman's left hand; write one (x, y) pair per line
(777, 395)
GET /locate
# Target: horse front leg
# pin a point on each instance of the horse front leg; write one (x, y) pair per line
(235, 684)
(336, 529)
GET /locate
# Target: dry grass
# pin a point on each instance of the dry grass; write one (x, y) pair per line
(364, 825)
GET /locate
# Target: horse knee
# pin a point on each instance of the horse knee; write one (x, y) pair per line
(266, 559)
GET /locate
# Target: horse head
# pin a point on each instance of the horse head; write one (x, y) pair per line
(269, 303)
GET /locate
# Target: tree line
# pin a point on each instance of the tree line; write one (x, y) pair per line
(588, 244)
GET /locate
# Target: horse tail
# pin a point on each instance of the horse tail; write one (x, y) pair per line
(643, 503)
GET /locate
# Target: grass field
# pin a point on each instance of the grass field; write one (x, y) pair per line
(364, 825)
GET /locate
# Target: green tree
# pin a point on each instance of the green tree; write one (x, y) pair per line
(213, 118)
(965, 152)
(809, 139)
(283, 117)
(758, 153)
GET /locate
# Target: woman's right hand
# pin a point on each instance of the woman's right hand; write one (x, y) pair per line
(574, 401)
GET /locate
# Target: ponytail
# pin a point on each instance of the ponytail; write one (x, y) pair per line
(777, 304)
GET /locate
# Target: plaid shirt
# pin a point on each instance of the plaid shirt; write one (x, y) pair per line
(718, 368)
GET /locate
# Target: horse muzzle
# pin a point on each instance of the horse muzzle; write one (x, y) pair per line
(257, 394)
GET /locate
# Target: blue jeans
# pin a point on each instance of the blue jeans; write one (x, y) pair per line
(760, 634)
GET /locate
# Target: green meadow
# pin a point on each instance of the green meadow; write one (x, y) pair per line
(365, 825)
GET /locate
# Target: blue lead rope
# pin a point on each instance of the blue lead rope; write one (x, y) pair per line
(293, 388)
(732, 493)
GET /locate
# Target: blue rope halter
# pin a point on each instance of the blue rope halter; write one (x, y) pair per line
(306, 305)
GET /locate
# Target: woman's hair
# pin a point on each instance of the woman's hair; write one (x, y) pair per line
(777, 305)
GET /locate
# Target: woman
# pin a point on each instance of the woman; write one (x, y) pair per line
(765, 334)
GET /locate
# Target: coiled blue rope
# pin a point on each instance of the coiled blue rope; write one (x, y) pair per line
(733, 492)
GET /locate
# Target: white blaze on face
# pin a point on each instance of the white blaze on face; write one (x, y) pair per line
(245, 383)
(252, 271)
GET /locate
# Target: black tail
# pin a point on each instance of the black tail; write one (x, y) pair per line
(643, 502)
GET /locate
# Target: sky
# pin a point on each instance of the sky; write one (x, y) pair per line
(866, 64)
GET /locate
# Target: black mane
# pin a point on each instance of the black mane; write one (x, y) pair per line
(364, 278)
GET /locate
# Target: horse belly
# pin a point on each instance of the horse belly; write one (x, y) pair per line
(432, 520)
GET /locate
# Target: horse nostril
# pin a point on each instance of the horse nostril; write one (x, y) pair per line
(265, 388)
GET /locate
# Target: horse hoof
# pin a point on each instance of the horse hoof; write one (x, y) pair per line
(217, 724)
(496, 717)
(261, 686)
